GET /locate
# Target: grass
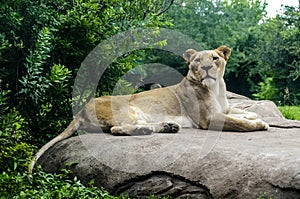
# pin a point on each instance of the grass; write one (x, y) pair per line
(290, 112)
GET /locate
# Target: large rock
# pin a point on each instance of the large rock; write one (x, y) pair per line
(193, 163)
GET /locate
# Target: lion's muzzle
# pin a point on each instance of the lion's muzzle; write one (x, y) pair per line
(207, 76)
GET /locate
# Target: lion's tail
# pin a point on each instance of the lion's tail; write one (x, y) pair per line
(69, 131)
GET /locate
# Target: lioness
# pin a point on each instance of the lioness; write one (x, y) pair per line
(197, 101)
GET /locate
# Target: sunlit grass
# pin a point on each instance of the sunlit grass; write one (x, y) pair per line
(290, 112)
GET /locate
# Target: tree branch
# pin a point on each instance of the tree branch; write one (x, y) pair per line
(167, 8)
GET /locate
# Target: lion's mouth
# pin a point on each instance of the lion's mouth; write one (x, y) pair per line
(208, 77)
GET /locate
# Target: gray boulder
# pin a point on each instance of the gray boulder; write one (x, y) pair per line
(191, 164)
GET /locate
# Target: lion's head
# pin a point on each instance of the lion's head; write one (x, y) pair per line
(207, 66)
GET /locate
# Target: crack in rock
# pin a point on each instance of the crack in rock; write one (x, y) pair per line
(162, 184)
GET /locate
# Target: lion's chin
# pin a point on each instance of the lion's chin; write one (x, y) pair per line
(208, 82)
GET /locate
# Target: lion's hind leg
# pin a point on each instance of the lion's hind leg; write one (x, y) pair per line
(146, 129)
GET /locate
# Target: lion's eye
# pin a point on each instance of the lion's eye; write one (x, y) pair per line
(215, 58)
(197, 60)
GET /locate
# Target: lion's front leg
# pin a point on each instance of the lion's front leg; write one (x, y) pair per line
(146, 129)
(227, 122)
(239, 113)
(132, 130)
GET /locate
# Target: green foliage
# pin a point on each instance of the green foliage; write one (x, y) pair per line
(4, 105)
(45, 185)
(278, 54)
(34, 84)
(16, 158)
(267, 90)
(48, 186)
(290, 112)
(15, 152)
(44, 90)
(261, 47)
(4, 45)
(265, 196)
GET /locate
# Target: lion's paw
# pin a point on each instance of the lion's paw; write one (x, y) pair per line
(170, 127)
(261, 125)
(117, 130)
(265, 125)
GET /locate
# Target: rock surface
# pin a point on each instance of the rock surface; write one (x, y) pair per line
(193, 163)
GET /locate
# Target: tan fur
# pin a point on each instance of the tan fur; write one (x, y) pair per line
(198, 101)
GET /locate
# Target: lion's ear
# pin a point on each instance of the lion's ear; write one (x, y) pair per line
(224, 52)
(188, 54)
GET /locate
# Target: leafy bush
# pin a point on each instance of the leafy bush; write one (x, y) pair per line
(267, 90)
(45, 185)
(15, 158)
(49, 186)
(15, 152)
(34, 83)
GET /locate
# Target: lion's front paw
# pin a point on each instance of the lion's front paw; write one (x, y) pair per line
(261, 125)
(265, 125)
(170, 127)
